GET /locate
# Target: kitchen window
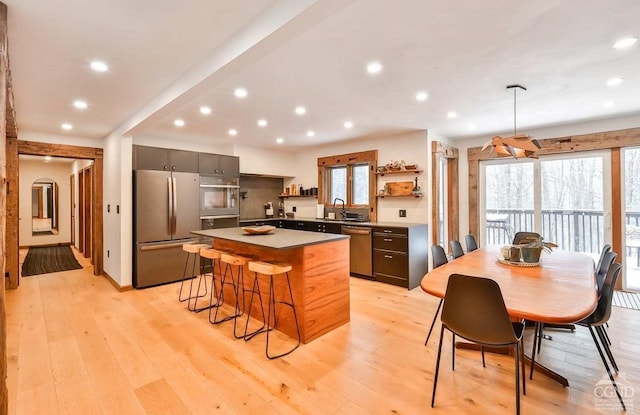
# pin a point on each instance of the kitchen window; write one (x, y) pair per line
(349, 177)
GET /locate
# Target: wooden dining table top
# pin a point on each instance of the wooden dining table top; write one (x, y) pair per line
(562, 289)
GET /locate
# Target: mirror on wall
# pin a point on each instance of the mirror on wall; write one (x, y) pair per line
(44, 207)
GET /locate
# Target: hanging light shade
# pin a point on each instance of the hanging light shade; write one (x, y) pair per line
(517, 145)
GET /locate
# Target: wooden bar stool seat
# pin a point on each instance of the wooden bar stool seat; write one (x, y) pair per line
(193, 254)
(272, 270)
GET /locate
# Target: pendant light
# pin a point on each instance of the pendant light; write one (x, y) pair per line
(517, 145)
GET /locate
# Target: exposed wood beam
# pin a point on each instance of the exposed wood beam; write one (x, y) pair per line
(6, 107)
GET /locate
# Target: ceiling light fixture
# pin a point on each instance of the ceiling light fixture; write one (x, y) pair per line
(81, 105)
(233, 132)
(99, 66)
(47, 159)
(262, 123)
(178, 123)
(301, 110)
(517, 145)
(205, 110)
(421, 96)
(452, 114)
(625, 43)
(279, 140)
(374, 67)
(471, 127)
(66, 126)
(614, 81)
(348, 124)
(240, 92)
(609, 104)
(311, 133)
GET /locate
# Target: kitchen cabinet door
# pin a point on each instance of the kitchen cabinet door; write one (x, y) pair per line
(183, 161)
(150, 158)
(229, 165)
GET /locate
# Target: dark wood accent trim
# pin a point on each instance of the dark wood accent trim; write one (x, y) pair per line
(59, 150)
(616, 205)
(72, 201)
(606, 140)
(115, 284)
(7, 129)
(12, 256)
(88, 216)
(81, 178)
(439, 150)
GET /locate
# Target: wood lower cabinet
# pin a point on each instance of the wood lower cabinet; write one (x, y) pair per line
(400, 255)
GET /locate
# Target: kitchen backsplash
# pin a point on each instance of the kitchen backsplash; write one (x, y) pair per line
(255, 191)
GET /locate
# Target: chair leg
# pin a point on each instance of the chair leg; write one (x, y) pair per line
(605, 346)
(606, 335)
(482, 352)
(533, 349)
(184, 277)
(213, 287)
(604, 361)
(435, 378)
(453, 351)
(254, 290)
(435, 317)
(295, 317)
(524, 374)
(517, 358)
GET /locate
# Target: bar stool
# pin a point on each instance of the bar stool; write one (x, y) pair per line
(272, 269)
(213, 255)
(191, 250)
(230, 260)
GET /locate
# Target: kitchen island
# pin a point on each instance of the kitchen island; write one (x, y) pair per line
(319, 278)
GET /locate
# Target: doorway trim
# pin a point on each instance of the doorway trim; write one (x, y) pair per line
(16, 147)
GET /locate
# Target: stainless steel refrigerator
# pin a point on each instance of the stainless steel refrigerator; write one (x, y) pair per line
(166, 209)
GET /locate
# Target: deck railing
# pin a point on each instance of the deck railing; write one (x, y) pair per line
(573, 230)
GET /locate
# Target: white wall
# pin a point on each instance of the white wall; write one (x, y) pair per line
(63, 138)
(266, 162)
(30, 171)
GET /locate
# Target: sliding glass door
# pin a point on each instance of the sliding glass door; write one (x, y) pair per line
(563, 198)
(631, 221)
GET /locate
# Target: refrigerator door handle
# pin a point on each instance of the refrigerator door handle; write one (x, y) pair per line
(169, 204)
(174, 220)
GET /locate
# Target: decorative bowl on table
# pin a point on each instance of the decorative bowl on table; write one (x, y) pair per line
(258, 230)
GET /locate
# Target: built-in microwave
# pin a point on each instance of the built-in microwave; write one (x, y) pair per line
(219, 197)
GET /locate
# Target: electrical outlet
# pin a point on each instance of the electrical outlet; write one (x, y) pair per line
(108, 253)
(402, 213)
(293, 209)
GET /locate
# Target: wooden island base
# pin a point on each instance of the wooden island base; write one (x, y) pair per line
(319, 281)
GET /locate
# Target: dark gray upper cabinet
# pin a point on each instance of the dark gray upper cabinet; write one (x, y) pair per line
(153, 158)
(212, 164)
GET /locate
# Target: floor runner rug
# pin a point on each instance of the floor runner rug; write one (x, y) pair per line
(47, 259)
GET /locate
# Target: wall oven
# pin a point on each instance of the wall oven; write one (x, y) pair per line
(219, 197)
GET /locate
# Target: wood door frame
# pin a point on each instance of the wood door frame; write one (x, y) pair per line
(81, 211)
(441, 150)
(14, 148)
(88, 216)
(72, 201)
(39, 201)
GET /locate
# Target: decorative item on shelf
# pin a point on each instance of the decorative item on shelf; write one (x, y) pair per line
(243, 194)
(399, 188)
(395, 165)
(517, 145)
(381, 169)
(411, 167)
(417, 191)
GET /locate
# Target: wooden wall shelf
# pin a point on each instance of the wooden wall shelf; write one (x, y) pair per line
(416, 171)
(383, 196)
(288, 196)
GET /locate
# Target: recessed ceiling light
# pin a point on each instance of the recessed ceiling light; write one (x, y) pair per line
(471, 127)
(66, 126)
(81, 105)
(233, 132)
(311, 133)
(262, 123)
(179, 123)
(205, 110)
(609, 104)
(47, 159)
(614, 81)
(301, 110)
(279, 140)
(421, 96)
(452, 114)
(348, 124)
(625, 43)
(99, 66)
(374, 67)
(240, 92)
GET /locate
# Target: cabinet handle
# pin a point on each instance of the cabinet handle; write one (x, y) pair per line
(388, 240)
(222, 171)
(389, 256)
(386, 231)
(166, 167)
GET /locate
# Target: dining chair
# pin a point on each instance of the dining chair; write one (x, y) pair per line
(474, 309)
(605, 249)
(595, 323)
(439, 259)
(521, 237)
(603, 269)
(456, 249)
(470, 241)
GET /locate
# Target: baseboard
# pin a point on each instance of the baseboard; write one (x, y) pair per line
(45, 245)
(115, 284)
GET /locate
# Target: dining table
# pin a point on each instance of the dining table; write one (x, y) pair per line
(560, 289)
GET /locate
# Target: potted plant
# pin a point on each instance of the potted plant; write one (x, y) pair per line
(532, 248)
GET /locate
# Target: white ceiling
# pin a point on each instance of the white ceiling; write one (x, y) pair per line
(168, 57)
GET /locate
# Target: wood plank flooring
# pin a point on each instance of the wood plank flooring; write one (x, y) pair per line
(77, 346)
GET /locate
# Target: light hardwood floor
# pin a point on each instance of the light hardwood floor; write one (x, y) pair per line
(77, 346)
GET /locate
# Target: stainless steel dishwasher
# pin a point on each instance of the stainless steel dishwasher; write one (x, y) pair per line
(361, 263)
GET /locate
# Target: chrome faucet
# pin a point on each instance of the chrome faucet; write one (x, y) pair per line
(343, 212)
